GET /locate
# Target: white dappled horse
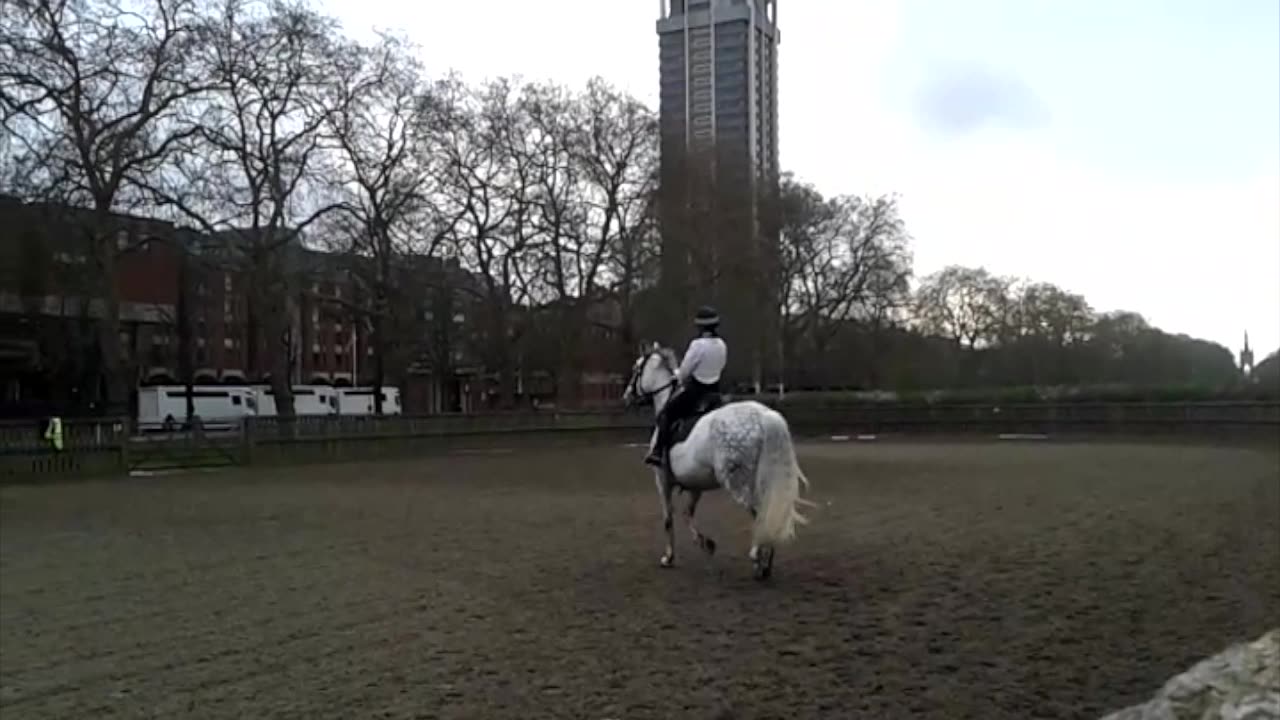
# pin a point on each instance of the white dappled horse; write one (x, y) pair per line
(744, 447)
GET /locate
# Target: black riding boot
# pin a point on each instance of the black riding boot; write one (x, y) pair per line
(654, 457)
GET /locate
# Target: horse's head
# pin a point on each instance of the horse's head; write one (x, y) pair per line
(653, 372)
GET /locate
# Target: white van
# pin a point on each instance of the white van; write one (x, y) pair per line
(359, 401)
(308, 400)
(216, 407)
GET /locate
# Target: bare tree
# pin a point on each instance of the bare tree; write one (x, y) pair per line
(488, 186)
(616, 143)
(1049, 313)
(595, 165)
(250, 175)
(386, 123)
(963, 305)
(844, 260)
(90, 93)
(968, 307)
(1040, 324)
(541, 139)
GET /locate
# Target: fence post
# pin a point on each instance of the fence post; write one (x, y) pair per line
(246, 440)
(123, 436)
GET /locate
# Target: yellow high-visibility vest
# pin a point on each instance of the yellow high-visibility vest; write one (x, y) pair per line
(53, 433)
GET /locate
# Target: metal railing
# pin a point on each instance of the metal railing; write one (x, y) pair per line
(92, 446)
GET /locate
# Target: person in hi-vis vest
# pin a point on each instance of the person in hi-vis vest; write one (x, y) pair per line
(53, 433)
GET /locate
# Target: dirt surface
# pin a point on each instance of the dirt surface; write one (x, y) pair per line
(983, 581)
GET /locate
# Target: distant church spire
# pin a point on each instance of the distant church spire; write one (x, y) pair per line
(1246, 357)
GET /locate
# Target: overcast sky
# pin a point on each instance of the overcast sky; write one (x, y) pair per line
(1128, 151)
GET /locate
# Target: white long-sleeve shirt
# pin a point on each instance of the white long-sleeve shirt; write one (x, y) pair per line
(704, 360)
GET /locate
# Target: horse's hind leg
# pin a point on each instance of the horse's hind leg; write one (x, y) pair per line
(761, 558)
(762, 561)
(704, 542)
(665, 488)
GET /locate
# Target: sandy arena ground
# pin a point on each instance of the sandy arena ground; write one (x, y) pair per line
(966, 580)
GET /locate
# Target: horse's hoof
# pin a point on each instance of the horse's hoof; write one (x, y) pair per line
(666, 561)
(709, 545)
(762, 565)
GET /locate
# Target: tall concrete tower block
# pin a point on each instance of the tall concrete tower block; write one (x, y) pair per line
(719, 125)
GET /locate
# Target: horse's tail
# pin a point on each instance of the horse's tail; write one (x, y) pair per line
(778, 481)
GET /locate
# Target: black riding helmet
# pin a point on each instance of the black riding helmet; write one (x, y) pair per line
(706, 318)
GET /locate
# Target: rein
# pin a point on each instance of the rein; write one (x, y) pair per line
(647, 396)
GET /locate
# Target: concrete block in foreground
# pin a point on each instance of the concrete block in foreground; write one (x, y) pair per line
(1240, 683)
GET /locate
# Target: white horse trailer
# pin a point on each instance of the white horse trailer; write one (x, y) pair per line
(215, 407)
(359, 401)
(308, 400)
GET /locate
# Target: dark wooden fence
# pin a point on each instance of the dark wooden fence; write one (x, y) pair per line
(99, 446)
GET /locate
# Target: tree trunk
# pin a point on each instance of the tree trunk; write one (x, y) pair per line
(281, 387)
(573, 323)
(114, 397)
(274, 306)
(381, 321)
(186, 366)
(500, 351)
(379, 357)
(102, 240)
(506, 381)
(252, 327)
(873, 356)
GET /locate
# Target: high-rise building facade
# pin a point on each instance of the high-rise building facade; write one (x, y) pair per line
(719, 137)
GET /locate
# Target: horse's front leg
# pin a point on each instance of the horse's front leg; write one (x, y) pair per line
(704, 542)
(665, 489)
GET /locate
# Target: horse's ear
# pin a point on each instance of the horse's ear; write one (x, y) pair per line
(656, 346)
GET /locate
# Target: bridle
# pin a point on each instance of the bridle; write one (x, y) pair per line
(641, 396)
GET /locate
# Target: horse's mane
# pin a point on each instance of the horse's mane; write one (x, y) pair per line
(670, 357)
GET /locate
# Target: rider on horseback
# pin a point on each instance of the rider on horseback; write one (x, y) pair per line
(697, 376)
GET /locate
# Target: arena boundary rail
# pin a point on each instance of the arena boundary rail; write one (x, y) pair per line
(98, 446)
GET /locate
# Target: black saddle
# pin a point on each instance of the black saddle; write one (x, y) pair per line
(683, 426)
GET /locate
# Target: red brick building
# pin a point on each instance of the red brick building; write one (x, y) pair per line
(49, 310)
(51, 299)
